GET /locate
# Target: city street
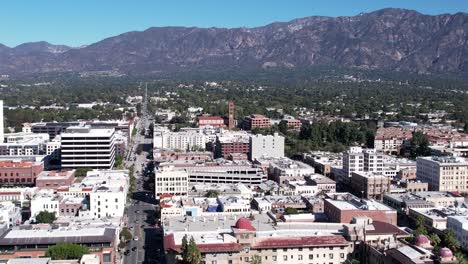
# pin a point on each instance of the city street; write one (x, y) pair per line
(141, 214)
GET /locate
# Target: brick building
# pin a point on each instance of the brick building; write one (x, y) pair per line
(232, 143)
(343, 207)
(256, 121)
(15, 172)
(55, 179)
(215, 121)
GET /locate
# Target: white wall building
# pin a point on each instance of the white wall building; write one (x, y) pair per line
(10, 214)
(169, 180)
(88, 147)
(186, 140)
(106, 201)
(357, 159)
(45, 200)
(266, 146)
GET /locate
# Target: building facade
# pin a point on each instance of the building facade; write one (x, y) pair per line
(171, 181)
(266, 146)
(19, 172)
(443, 173)
(84, 147)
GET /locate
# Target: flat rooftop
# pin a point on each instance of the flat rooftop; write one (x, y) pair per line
(45, 234)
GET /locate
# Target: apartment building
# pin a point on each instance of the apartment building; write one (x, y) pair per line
(183, 140)
(86, 147)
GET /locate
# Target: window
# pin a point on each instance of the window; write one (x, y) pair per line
(246, 259)
(311, 256)
(331, 255)
(342, 255)
(274, 258)
(299, 257)
(285, 257)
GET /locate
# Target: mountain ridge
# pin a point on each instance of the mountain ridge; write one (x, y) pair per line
(389, 39)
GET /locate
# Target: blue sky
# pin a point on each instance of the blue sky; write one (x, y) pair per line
(82, 22)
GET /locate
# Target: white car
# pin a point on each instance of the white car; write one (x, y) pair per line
(135, 238)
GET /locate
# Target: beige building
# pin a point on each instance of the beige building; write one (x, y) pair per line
(169, 180)
(370, 185)
(443, 173)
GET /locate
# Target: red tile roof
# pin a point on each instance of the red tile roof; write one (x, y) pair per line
(310, 241)
(386, 228)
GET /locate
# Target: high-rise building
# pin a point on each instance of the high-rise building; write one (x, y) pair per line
(1, 121)
(86, 147)
(231, 115)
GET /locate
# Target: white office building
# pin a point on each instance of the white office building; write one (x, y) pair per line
(86, 147)
(169, 180)
(266, 146)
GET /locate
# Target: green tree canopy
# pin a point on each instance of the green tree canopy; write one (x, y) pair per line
(290, 210)
(63, 251)
(45, 217)
(125, 234)
(190, 252)
(212, 194)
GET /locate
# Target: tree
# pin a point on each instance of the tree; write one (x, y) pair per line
(435, 240)
(81, 172)
(283, 127)
(420, 226)
(460, 258)
(190, 252)
(256, 260)
(45, 217)
(290, 210)
(125, 234)
(212, 194)
(419, 145)
(450, 240)
(118, 162)
(63, 251)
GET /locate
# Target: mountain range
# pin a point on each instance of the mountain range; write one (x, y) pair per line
(387, 39)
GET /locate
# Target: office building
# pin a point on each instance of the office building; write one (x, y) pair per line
(443, 173)
(169, 180)
(86, 147)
